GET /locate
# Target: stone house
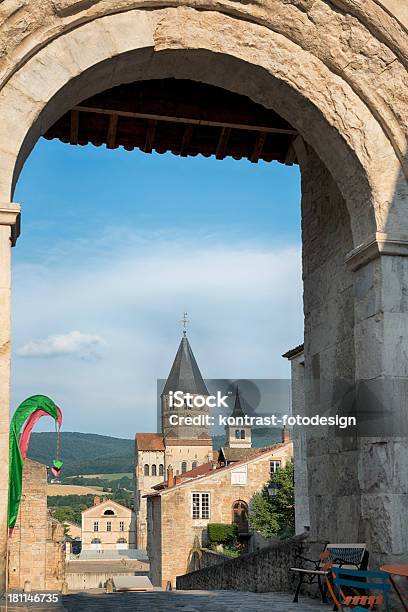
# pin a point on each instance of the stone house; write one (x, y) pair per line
(179, 510)
(108, 526)
(36, 547)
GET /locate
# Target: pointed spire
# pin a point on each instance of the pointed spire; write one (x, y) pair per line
(185, 374)
(237, 411)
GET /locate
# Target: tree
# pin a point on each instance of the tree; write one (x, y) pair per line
(275, 515)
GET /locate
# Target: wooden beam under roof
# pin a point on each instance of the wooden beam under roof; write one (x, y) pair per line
(258, 146)
(223, 143)
(186, 141)
(186, 120)
(112, 130)
(150, 134)
(74, 127)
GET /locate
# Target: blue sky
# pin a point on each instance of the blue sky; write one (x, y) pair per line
(115, 245)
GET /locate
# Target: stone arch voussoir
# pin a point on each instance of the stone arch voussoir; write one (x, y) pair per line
(208, 46)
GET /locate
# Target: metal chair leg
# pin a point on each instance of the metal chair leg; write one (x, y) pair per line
(322, 591)
(296, 597)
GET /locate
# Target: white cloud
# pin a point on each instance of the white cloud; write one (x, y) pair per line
(56, 345)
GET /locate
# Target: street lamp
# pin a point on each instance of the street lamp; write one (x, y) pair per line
(273, 489)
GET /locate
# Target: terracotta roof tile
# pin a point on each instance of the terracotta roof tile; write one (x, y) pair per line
(150, 442)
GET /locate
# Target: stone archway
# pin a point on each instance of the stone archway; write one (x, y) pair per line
(327, 72)
(240, 516)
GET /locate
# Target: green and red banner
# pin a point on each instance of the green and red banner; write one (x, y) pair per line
(21, 426)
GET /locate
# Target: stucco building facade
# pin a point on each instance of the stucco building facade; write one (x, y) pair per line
(108, 526)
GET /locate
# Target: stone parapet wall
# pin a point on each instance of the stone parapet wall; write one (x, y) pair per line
(205, 558)
(265, 570)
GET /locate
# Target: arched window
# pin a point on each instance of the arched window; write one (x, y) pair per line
(154, 470)
(183, 467)
(122, 541)
(146, 469)
(194, 465)
(109, 513)
(240, 515)
(242, 434)
(95, 541)
(237, 434)
(161, 470)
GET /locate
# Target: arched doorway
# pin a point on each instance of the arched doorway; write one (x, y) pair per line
(351, 149)
(240, 516)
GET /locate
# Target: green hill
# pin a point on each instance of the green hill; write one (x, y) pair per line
(84, 453)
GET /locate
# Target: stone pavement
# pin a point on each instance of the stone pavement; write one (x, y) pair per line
(190, 601)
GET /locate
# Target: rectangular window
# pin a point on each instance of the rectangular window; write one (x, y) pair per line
(274, 466)
(239, 475)
(200, 505)
(96, 526)
(108, 526)
(121, 526)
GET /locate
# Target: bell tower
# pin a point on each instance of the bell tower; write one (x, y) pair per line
(238, 435)
(185, 376)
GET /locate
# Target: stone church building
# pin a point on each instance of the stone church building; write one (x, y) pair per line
(181, 447)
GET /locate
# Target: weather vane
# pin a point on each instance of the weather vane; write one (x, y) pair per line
(184, 321)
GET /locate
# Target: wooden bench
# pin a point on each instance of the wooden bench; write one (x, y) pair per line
(349, 556)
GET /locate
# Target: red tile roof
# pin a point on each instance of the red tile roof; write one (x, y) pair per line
(208, 470)
(150, 442)
(200, 470)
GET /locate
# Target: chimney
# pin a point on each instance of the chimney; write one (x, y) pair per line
(97, 500)
(170, 477)
(285, 435)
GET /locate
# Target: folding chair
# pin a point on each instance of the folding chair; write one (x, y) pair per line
(333, 555)
(361, 600)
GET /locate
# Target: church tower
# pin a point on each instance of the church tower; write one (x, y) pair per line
(184, 376)
(188, 445)
(238, 436)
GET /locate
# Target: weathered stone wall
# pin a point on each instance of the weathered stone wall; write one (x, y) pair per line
(262, 571)
(204, 557)
(154, 540)
(36, 548)
(94, 574)
(299, 436)
(143, 485)
(332, 461)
